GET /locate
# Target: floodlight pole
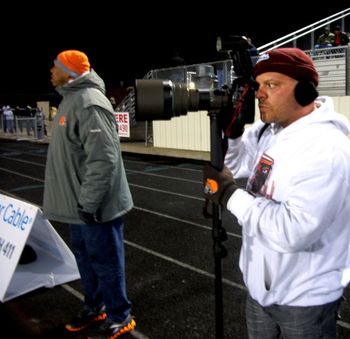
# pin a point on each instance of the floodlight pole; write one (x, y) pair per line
(218, 232)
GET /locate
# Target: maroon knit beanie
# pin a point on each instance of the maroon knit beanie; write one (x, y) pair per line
(289, 61)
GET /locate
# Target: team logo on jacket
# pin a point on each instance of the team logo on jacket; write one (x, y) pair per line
(62, 121)
(258, 183)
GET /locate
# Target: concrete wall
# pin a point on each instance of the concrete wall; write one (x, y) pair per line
(342, 105)
(188, 132)
(192, 131)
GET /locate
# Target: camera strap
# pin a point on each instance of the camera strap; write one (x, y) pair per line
(263, 129)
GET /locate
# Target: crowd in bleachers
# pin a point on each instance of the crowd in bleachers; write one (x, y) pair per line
(27, 120)
(332, 39)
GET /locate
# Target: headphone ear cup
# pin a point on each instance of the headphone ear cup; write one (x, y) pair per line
(305, 92)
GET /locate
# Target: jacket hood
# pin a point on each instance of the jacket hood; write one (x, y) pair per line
(325, 113)
(89, 80)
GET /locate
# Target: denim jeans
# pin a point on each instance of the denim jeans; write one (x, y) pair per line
(99, 252)
(291, 322)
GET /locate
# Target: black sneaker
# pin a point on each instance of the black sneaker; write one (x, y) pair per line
(85, 318)
(110, 329)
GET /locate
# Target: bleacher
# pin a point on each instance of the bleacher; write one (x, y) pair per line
(332, 79)
(331, 64)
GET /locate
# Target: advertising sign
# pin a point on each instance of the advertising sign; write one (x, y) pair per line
(22, 224)
(123, 122)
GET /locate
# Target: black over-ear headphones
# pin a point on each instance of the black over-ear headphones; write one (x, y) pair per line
(305, 92)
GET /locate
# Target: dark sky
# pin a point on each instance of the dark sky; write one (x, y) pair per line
(124, 44)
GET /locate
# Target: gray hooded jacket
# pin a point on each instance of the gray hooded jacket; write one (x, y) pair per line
(84, 162)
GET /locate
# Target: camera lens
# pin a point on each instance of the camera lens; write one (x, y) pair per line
(163, 99)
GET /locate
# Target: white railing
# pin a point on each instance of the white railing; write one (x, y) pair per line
(310, 29)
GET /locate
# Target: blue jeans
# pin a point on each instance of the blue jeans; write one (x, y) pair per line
(291, 322)
(99, 252)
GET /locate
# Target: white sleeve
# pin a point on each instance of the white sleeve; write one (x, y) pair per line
(241, 152)
(315, 198)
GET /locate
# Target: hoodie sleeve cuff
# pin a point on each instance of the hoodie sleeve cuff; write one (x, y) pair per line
(239, 203)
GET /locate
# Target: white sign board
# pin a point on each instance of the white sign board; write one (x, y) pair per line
(20, 224)
(123, 122)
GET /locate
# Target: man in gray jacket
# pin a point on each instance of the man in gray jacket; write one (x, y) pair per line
(86, 187)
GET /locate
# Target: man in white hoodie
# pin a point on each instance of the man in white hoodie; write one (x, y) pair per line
(295, 210)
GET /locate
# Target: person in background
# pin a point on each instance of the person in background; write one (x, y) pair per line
(113, 102)
(53, 111)
(326, 39)
(86, 187)
(9, 120)
(295, 208)
(30, 125)
(253, 51)
(340, 38)
(40, 123)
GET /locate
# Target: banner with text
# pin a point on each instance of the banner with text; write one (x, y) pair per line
(122, 119)
(21, 225)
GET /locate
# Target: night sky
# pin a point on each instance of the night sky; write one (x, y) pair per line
(126, 44)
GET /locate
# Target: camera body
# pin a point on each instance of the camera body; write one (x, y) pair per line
(157, 99)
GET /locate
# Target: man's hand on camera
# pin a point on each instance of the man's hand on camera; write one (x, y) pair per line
(218, 185)
(88, 218)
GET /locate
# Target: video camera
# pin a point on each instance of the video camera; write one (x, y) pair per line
(157, 99)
